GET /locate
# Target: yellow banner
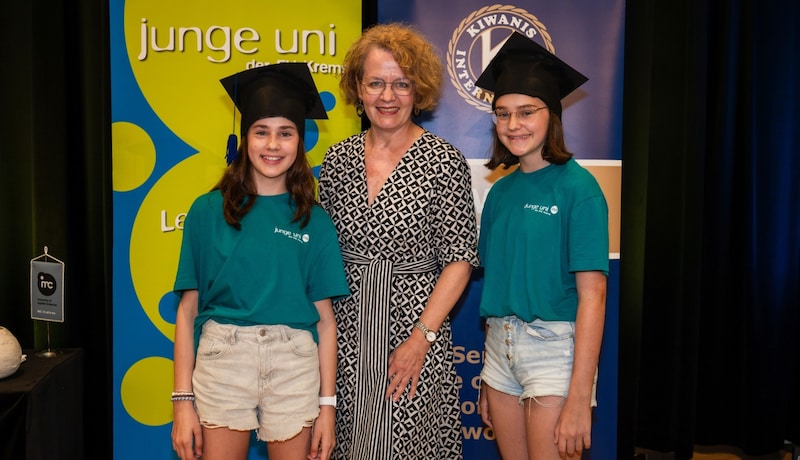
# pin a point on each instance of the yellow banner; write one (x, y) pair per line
(171, 121)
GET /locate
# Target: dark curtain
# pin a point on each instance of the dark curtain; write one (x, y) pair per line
(55, 179)
(710, 257)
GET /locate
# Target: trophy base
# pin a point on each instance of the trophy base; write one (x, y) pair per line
(47, 354)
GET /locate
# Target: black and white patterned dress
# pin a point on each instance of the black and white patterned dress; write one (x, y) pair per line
(422, 219)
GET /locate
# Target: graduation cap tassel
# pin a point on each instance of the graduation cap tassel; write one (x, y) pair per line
(230, 151)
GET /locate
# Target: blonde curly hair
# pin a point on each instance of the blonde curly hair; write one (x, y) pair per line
(418, 58)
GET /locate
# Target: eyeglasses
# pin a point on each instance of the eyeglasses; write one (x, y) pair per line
(525, 113)
(400, 87)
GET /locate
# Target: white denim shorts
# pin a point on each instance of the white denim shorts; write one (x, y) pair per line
(530, 360)
(257, 377)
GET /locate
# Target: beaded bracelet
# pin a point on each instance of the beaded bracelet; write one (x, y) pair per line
(182, 396)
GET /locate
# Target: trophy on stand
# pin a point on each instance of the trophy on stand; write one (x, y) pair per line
(47, 294)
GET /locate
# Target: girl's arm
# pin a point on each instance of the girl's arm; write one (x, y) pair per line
(187, 438)
(323, 436)
(573, 430)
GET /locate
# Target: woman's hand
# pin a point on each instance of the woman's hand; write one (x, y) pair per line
(405, 367)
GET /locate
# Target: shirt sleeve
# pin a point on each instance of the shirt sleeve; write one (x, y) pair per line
(455, 227)
(187, 276)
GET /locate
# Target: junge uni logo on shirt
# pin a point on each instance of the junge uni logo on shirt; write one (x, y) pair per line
(542, 208)
(301, 237)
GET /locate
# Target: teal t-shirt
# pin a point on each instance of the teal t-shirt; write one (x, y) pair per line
(269, 272)
(537, 230)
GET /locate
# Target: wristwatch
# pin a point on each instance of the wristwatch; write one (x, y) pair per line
(430, 335)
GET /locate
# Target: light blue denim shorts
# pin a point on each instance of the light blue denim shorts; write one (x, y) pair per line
(530, 360)
(257, 377)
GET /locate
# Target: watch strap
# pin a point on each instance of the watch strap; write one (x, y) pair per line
(327, 401)
(426, 331)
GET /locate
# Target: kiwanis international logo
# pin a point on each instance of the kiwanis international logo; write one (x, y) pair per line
(478, 38)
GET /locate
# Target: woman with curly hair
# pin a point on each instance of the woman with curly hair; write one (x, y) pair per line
(401, 200)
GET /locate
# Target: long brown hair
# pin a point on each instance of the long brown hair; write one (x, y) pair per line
(554, 150)
(239, 191)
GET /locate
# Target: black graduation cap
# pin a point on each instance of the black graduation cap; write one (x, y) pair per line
(278, 90)
(523, 66)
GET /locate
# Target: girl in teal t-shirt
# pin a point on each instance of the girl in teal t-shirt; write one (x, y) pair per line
(544, 248)
(255, 334)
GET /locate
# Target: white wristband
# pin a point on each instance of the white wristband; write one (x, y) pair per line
(327, 401)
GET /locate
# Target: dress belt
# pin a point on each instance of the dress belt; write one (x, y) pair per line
(372, 416)
(394, 268)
